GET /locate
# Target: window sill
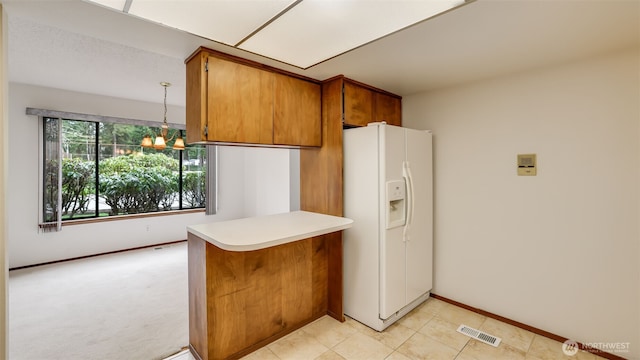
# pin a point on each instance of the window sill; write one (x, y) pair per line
(129, 217)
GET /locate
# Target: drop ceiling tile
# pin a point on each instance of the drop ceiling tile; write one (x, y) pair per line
(316, 30)
(225, 21)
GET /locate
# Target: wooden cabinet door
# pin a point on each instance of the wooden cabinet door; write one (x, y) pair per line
(297, 112)
(358, 105)
(239, 103)
(196, 98)
(387, 108)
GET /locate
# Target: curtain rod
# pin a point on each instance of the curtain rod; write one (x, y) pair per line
(99, 118)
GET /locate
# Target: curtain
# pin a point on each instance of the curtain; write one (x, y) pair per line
(51, 161)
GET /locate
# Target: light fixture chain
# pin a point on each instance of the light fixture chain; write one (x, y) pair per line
(163, 137)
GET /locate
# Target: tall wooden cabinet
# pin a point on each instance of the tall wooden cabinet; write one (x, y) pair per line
(232, 100)
(344, 102)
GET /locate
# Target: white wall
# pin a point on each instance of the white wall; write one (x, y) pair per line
(266, 184)
(558, 251)
(240, 194)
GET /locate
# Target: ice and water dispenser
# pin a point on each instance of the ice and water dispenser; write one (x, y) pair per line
(396, 197)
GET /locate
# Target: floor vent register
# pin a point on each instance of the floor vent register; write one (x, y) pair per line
(479, 335)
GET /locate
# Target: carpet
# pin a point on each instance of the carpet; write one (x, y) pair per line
(130, 305)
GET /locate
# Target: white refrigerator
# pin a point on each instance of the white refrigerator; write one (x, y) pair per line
(388, 252)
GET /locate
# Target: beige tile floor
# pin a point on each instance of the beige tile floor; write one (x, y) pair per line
(428, 332)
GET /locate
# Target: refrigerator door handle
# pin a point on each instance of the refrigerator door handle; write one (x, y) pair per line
(411, 194)
(406, 173)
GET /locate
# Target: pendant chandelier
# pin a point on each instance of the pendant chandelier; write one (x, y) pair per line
(161, 140)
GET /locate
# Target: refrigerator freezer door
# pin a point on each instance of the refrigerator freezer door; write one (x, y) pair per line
(361, 242)
(419, 245)
(392, 245)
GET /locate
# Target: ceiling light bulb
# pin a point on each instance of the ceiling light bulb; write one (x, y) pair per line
(178, 144)
(159, 143)
(146, 142)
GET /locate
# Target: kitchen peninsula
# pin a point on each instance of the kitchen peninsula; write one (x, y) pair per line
(254, 280)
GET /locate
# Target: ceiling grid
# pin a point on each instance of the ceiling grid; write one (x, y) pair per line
(302, 33)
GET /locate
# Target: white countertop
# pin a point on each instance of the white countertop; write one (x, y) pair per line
(265, 231)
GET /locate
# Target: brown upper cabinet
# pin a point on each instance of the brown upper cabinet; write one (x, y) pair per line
(232, 100)
(364, 104)
(297, 112)
(387, 108)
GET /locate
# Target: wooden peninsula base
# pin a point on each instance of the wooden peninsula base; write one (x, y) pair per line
(240, 301)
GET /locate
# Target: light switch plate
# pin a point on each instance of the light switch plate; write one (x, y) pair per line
(527, 165)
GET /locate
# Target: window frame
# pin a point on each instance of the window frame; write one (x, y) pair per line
(211, 169)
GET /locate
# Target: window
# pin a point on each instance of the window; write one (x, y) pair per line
(101, 170)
